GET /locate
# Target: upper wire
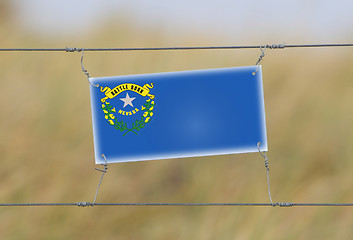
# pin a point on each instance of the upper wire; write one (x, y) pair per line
(85, 204)
(270, 46)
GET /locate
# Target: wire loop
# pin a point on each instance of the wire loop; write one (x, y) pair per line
(103, 172)
(105, 164)
(263, 154)
(82, 67)
(260, 59)
(262, 55)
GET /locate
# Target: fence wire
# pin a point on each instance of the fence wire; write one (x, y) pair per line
(89, 204)
(268, 46)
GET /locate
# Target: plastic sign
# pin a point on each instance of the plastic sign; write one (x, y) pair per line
(178, 114)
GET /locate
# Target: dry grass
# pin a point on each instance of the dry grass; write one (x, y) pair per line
(46, 147)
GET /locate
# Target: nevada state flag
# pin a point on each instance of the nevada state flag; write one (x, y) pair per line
(178, 114)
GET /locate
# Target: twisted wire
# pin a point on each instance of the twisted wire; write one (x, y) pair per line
(103, 173)
(82, 67)
(263, 154)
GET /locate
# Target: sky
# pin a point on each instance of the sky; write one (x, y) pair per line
(317, 21)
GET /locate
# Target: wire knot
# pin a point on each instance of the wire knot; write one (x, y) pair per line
(261, 55)
(67, 49)
(84, 204)
(263, 154)
(105, 164)
(267, 164)
(276, 46)
(103, 170)
(86, 73)
(283, 204)
(260, 59)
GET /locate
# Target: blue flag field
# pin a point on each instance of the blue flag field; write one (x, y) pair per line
(178, 114)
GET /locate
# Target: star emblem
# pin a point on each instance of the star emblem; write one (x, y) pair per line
(127, 100)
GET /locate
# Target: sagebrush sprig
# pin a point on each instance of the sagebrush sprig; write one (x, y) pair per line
(122, 126)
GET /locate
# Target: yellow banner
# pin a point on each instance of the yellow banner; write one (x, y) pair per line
(111, 93)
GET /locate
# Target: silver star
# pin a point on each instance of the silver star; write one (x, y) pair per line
(127, 100)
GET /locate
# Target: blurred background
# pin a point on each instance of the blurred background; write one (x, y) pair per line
(46, 142)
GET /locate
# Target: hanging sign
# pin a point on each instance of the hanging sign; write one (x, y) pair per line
(178, 114)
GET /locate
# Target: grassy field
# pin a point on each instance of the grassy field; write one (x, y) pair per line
(46, 146)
